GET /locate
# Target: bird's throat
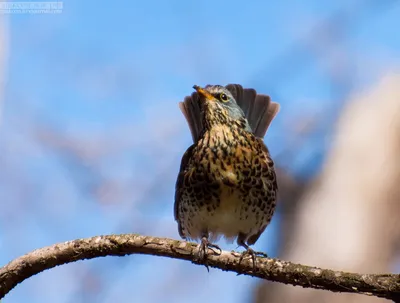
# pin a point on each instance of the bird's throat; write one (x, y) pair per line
(215, 116)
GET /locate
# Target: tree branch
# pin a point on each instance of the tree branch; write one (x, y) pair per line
(382, 285)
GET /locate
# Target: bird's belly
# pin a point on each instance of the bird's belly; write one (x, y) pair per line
(228, 218)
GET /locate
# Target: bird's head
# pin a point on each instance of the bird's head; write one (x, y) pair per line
(219, 106)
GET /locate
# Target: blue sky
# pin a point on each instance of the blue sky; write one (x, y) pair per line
(91, 135)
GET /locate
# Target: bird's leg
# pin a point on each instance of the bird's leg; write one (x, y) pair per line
(203, 247)
(249, 251)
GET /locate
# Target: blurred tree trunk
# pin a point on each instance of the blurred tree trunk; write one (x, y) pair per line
(348, 218)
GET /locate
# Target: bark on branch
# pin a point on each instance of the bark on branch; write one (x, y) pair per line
(380, 285)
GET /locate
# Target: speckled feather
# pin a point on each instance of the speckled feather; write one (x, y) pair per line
(227, 184)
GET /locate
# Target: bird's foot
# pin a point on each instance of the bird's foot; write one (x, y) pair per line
(203, 251)
(253, 254)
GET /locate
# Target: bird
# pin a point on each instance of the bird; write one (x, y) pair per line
(226, 185)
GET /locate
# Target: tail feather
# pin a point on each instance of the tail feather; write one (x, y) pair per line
(244, 97)
(269, 115)
(258, 109)
(190, 107)
(264, 111)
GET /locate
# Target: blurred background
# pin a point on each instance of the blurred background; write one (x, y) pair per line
(91, 137)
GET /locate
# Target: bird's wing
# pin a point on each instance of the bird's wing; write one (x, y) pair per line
(253, 239)
(270, 163)
(180, 185)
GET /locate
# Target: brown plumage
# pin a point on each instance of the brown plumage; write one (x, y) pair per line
(226, 184)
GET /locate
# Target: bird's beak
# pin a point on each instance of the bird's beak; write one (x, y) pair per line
(203, 93)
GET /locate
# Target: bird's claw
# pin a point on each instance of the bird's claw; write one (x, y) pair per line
(214, 249)
(253, 254)
(203, 247)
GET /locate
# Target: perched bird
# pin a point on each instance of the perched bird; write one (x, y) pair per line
(226, 184)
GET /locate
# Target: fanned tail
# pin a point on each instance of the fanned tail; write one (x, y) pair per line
(258, 109)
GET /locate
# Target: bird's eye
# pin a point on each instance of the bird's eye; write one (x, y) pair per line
(223, 97)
